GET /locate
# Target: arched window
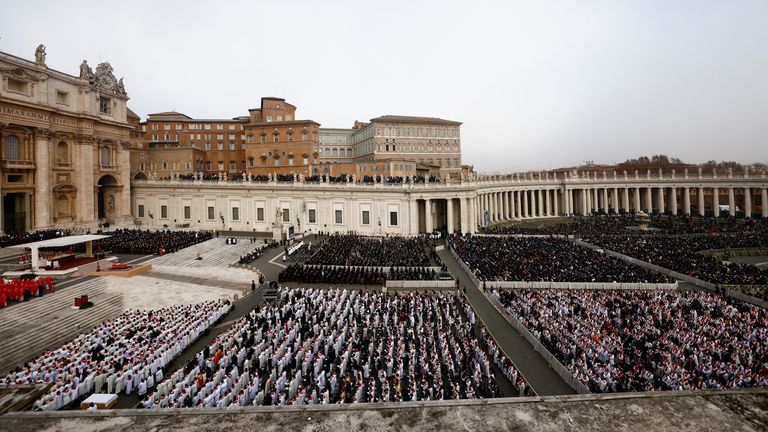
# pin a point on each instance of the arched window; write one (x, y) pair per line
(12, 148)
(105, 156)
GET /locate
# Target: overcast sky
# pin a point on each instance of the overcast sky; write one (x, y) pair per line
(537, 84)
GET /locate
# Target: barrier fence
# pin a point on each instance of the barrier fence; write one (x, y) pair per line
(421, 284)
(580, 285)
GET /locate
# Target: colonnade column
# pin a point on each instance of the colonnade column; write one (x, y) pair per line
(555, 203)
(673, 201)
(648, 202)
(747, 202)
(731, 202)
(472, 216)
(764, 202)
(584, 209)
(414, 215)
(428, 215)
(526, 209)
(662, 206)
(701, 201)
(539, 204)
(637, 204)
(686, 201)
(716, 202)
(605, 200)
(506, 205)
(449, 214)
(519, 204)
(625, 198)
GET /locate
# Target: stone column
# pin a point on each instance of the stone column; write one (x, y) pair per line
(525, 204)
(549, 193)
(747, 202)
(428, 215)
(673, 201)
(731, 202)
(662, 206)
(413, 213)
(519, 204)
(43, 198)
(637, 205)
(606, 206)
(505, 201)
(540, 203)
(764, 202)
(555, 202)
(584, 208)
(716, 202)
(648, 200)
(686, 201)
(615, 200)
(464, 214)
(495, 206)
(625, 198)
(472, 215)
(449, 214)
(700, 201)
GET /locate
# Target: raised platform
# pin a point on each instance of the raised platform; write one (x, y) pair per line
(744, 410)
(133, 270)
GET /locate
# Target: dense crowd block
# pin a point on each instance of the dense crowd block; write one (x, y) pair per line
(355, 250)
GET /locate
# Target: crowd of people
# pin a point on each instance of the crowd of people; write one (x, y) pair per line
(355, 250)
(325, 178)
(123, 355)
(135, 241)
(256, 253)
(332, 275)
(339, 346)
(544, 259)
(411, 273)
(16, 290)
(681, 253)
(13, 239)
(618, 341)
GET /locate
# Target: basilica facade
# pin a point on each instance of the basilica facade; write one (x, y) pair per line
(64, 146)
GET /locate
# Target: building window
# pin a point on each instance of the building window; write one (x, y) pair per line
(277, 137)
(163, 212)
(211, 213)
(393, 218)
(242, 163)
(17, 86)
(250, 162)
(263, 138)
(305, 162)
(187, 212)
(208, 165)
(290, 161)
(232, 165)
(338, 217)
(221, 165)
(231, 146)
(62, 98)
(105, 105)
(312, 216)
(260, 214)
(207, 146)
(304, 136)
(277, 162)
(235, 213)
(12, 148)
(286, 215)
(105, 156)
(290, 136)
(366, 217)
(269, 119)
(220, 146)
(141, 210)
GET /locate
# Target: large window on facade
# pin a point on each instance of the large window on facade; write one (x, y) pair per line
(338, 217)
(12, 148)
(163, 212)
(235, 213)
(312, 216)
(393, 218)
(260, 214)
(366, 217)
(105, 105)
(187, 212)
(211, 212)
(141, 210)
(286, 215)
(105, 156)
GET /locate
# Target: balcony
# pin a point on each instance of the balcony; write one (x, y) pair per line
(17, 164)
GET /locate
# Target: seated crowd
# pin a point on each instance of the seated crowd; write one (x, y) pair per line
(620, 341)
(23, 289)
(544, 259)
(125, 354)
(339, 346)
(680, 253)
(13, 239)
(355, 250)
(133, 241)
(411, 273)
(256, 253)
(332, 275)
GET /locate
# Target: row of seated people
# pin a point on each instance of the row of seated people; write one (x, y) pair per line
(624, 224)
(625, 341)
(118, 356)
(332, 275)
(13, 239)
(356, 250)
(682, 254)
(411, 273)
(16, 290)
(134, 241)
(256, 253)
(544, 259)
(339, 346)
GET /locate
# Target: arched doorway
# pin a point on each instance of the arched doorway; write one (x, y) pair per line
(107, 199)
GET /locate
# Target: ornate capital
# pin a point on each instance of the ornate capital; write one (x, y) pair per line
(42, 133)
(87, 139)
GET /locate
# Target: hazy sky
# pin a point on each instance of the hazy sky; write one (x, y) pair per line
(537, 84)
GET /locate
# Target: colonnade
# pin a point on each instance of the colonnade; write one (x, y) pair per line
(548, 201)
